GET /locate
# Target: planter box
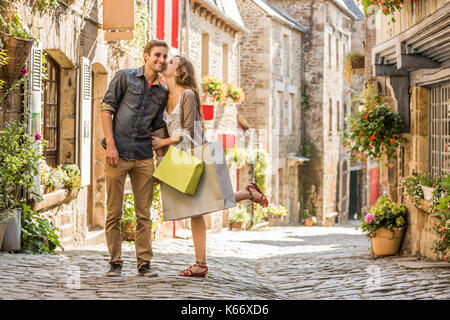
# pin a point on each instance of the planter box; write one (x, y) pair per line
(11, 238)
(277, 222)
(208, 111)
(427, 193)
(2, 232)
(386, 243)
(238, 226)
(308, 222)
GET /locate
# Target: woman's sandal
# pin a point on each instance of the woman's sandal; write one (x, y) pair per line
(189, 273)
(264, 202)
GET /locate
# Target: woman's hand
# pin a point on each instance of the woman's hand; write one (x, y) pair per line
(157, 143)
(176, 139)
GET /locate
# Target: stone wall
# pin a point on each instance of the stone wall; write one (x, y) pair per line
(225, 115)
(65, 37)
(420, 235)
(67, 211)
(273, 96)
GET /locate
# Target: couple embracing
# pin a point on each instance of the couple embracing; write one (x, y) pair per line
(140, 118)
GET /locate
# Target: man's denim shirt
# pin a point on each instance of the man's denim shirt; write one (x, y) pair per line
(138, 110)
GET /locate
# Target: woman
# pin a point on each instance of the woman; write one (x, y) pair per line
(182, 114)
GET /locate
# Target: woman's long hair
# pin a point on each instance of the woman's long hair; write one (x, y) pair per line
(186, 79)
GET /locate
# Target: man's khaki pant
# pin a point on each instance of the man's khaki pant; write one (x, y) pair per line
(141, 176)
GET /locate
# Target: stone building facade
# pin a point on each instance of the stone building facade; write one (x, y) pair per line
(271, 73)
(81, 63)
(408, 61)
(209, 37)
(327, 40)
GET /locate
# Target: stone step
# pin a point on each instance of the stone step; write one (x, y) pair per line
(95, 238)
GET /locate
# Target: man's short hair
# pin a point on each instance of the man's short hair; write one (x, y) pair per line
(155, 43)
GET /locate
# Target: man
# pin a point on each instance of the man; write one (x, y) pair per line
(132, 108)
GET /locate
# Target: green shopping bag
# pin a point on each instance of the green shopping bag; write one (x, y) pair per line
(180, 170)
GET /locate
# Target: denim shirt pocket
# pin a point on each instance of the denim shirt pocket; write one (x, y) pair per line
(133, 96)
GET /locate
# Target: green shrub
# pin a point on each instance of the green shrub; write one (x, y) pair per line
(38, 234)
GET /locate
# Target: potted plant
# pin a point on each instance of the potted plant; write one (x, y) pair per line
(239, 217)
(385, 225)
(427, 183)
(308, 219)
(234, 93)
(213, 89)
(374, 131)
(442, 245)
(277, 214)
(17, 42)
(6, 217)
(19, 158)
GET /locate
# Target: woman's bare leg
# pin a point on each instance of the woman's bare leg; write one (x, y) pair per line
(199, 237)
(242, 195)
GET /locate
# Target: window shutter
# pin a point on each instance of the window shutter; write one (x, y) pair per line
(35, 98)
(85, 121)
(175, 18)
(160, 20)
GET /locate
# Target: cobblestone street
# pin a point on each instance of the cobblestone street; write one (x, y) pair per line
(272, 263)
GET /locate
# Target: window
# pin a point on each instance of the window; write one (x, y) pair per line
(330, 118)
(205, 54)
(337, 54)
(345, 114)
(291, 113)
(225, 59)
(281, 114)
(440, 130)
(51, 114)
(329, 50)
(339, 125)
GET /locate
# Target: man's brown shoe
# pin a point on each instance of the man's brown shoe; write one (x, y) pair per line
(115, 270)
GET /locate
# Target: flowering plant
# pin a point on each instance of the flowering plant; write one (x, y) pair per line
(213, 88)
(239, 214)
(385, 214)
(19, 157)
(386, 6)
(442, 211)
(373, 130)
(276, 211)
(234, 93)
(156, 213)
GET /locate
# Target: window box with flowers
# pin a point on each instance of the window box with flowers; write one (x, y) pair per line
(239, 217)
(234, 93)
(277, 214)
(373, 131)
(384, 224)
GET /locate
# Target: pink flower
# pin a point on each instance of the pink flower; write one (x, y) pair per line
(37, 137)
(391, 165)
(23, 72)
(369, 218)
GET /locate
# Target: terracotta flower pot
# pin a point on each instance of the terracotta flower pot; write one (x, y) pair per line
(386, 244)
(308, 222)
(18, 51)
(237, 225)
(208, 111)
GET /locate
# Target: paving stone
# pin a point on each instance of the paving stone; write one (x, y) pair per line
(243, 265)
